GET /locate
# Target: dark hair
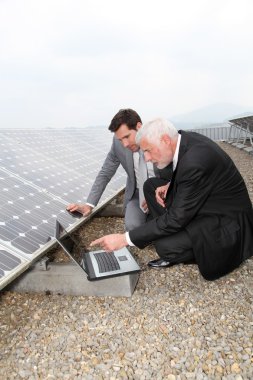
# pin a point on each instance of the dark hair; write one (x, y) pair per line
(125, 116)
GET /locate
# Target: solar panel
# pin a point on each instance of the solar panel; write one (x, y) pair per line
(40, 173)
(244, 129)
(244, 122)
(28, 214)
(66, 173)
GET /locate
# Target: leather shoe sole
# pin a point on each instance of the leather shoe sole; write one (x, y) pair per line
(160, 263)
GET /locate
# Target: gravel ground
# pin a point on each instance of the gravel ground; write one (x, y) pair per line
(175, 326)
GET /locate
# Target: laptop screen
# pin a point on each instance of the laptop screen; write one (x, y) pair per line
(70, 245)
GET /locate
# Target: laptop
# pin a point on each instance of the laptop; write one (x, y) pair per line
(97, 265)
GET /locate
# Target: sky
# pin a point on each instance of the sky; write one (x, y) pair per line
(76, 63)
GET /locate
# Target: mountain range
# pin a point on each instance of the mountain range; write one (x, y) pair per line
(215, 113)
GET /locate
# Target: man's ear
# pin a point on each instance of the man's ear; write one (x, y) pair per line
(138, 126)
(166, 139)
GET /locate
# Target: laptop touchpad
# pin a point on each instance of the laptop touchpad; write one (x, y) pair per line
(122, 258)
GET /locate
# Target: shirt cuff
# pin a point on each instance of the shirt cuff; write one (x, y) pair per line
(89, 204)
(129, 240)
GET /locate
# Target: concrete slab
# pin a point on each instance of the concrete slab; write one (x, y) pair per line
(69, 279)
(240, 146)
(249, 149)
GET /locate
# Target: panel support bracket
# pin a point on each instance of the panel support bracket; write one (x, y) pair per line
(42, 263)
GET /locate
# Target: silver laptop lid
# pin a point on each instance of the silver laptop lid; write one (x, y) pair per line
(73, 249)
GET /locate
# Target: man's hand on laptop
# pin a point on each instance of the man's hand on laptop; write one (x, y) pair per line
(111, 242)
(83, 209)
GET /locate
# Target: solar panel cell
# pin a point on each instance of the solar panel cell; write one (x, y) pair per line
(25, 245)
(8, 261)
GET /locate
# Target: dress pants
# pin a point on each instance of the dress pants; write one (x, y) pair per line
(177, 247)
(134, 216)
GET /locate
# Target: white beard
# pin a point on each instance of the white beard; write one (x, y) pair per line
(162, 165)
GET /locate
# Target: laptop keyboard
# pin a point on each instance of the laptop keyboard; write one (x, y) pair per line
(107, 262)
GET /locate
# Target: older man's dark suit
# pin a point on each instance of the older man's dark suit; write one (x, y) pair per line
(207, 198)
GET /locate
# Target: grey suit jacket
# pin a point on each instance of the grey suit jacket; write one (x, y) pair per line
(118, 155)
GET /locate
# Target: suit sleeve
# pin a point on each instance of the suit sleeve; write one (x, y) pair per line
(191, 188)
(104, 176)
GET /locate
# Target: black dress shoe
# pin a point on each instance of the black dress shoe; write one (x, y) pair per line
(160, 263)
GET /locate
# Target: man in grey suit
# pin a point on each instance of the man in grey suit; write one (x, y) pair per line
(206, 213)
(124, 151)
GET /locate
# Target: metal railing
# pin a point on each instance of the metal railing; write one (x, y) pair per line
(216, 133)
(231, 133)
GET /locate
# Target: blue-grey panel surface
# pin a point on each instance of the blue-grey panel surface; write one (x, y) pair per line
(58, 162)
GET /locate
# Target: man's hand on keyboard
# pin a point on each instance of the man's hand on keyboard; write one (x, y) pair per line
(111, 242)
